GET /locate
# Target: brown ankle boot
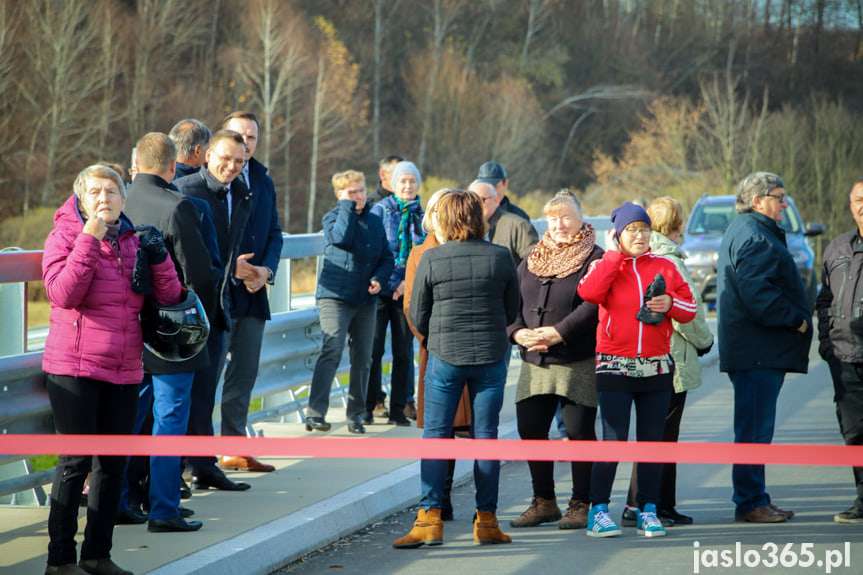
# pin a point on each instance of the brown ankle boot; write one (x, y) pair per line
(540, 511)
(486, 531)
(576, 515)
(428, 530)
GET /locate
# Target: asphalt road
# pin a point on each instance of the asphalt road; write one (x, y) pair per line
(809, 543)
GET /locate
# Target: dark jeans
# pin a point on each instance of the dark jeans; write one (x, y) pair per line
(340, 322)
(668, 482)
(204, 401)
(87, 406)
(535, 415)
(444, 386)
(848, 387)
(756, 392)
(243, 342)
(391, 312)
(614, 409)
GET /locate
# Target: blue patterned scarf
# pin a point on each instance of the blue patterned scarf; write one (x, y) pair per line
(411, 221)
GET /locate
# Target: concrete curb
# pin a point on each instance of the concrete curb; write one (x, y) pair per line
(269, 547)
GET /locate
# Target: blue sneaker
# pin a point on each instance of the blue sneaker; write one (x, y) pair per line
(648, 523)
(599, 523)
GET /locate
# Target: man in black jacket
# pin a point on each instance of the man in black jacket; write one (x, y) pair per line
(260, 252)
(385, 172)
(191, 138)
(840, 334)
(764, 329)
(230, 202)
(152, 200)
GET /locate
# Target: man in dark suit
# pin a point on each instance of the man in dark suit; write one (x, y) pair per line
(192, 137)
(260, 252)
(152, 200)
(230, 201)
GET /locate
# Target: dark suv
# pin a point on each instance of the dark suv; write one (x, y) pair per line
(707, 222)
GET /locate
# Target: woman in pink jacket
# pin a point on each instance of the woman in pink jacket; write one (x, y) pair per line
(638, 294)
(92, 359)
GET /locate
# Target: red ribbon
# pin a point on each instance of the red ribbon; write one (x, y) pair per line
(403, 448)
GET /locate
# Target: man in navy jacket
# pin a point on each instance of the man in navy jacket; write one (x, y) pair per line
(765, 329)
(260, 252)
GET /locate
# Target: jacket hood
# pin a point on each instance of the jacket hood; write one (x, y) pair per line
(663, 246)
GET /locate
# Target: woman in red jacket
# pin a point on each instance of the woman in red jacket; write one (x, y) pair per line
(638, 294)
(92, 358)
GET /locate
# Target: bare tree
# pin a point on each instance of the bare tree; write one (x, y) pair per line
(167, 31)
(338, 107)
(538, 14)
(8, 71)
(444, 14)
(273, 57)
(62, 85)
(381, 23)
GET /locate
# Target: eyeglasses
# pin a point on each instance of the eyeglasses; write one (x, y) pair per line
(780, 198)
(633, 231)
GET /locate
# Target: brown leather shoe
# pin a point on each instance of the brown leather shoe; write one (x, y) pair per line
(762, 515)
(786, 512)
(239, 462)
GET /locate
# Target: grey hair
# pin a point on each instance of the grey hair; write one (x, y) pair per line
(560, 199)
(188, 134)
(97, 171)
(753, 186)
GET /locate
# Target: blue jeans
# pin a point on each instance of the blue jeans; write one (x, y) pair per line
(615, 407)
(341, 321)
(444, 384)
(755, 394)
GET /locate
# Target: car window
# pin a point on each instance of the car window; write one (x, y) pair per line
(714, 217)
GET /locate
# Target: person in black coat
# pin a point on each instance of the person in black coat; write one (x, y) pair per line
(230, 202)
(259, 253)
(465, 293)
(765, 329)
(556, 334)
(152, 200)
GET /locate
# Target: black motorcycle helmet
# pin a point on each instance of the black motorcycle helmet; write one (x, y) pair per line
(175, 332)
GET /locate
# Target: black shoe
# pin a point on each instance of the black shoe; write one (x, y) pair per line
(217, 480)
(317, 423)
(185, 490)
(446, 513)
(130, 516)
(356, 427)
(368, 418)
(184, 512)
(401, 422)
(672, 514)
(174, 524)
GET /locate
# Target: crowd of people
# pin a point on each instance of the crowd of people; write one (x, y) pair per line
(469, 277)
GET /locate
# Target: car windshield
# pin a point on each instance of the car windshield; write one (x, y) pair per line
(714, 217)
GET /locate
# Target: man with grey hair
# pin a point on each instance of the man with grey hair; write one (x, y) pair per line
(191, 138)
(764, 329)
(505, 229)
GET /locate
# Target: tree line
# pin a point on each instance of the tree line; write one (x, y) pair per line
(613, 98)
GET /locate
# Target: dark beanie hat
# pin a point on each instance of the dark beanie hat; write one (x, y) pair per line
(626, 214)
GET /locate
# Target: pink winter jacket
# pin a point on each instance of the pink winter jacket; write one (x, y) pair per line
(95, 331)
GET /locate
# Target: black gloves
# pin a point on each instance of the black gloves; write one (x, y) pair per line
(151, 251)
(705, 350)
(150, 241)
(644, 315)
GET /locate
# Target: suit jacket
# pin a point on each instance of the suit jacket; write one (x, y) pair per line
(150, 200)
(262, 237)
(229, 227)
(207, 229)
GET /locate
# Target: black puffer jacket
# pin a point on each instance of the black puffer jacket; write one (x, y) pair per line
(555, 302)
(464, 296)
(840, 313)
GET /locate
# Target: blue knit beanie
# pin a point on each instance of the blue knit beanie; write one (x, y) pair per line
(403, 168)
(626, 214)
